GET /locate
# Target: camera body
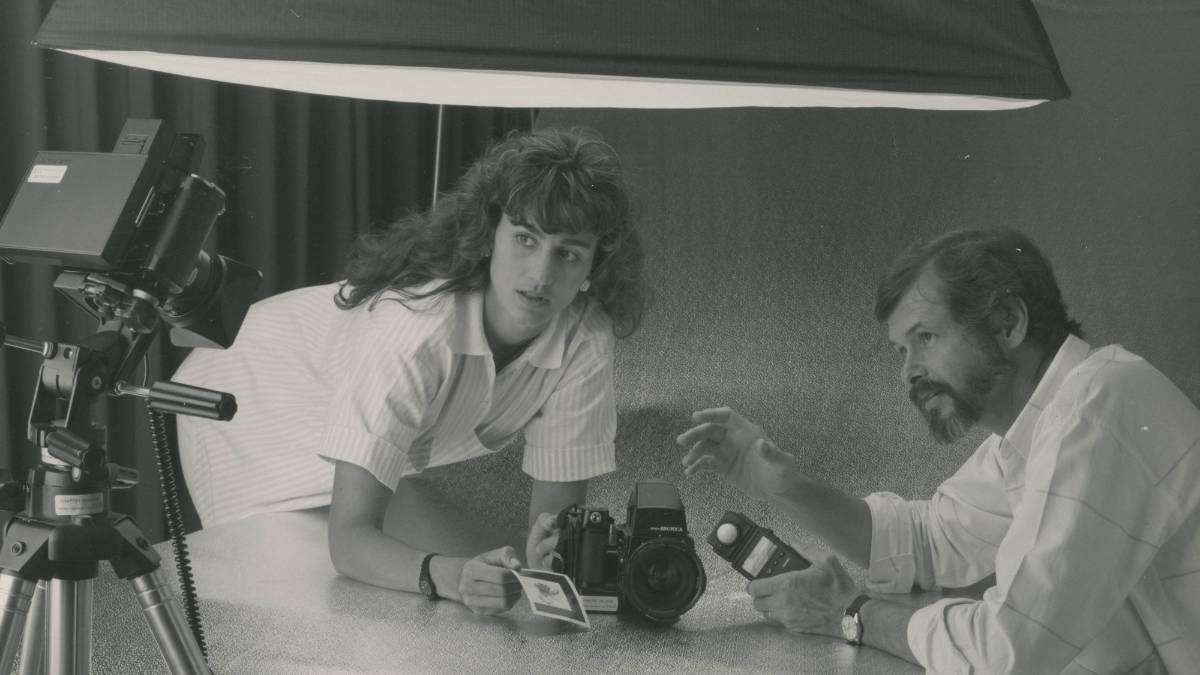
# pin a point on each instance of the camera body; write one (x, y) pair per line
(754, 551)
(127, 227)
(646, 566)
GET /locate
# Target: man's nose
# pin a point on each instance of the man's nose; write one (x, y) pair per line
(911, 371)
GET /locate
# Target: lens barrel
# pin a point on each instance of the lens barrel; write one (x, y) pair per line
(662, 578)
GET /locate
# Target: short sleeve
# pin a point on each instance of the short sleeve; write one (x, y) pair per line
(388, 374)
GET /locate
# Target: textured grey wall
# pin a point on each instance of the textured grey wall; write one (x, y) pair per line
(767, 231)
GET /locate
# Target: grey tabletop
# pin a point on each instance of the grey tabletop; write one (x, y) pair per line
(271, 602)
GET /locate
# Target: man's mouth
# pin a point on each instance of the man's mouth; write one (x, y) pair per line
(924, 395)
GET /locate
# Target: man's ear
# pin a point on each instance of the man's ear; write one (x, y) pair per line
(1012, 322)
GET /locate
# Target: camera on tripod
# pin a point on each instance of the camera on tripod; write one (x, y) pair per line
(126, 228)
(648, 565)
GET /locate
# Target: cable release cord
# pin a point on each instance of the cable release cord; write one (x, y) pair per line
(174, 517)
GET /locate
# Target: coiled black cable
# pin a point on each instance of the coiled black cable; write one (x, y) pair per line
(173, 511)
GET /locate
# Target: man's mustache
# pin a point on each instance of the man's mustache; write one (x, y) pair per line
(925, 389)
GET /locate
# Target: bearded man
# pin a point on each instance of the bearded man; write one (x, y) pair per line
(1081, 505)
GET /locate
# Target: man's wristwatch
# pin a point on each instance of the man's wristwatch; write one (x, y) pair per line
(852, 625)
(425, 581)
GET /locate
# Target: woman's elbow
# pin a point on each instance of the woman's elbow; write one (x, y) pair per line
(342, 550)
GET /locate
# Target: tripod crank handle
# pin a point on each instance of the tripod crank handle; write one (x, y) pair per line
(184, 399)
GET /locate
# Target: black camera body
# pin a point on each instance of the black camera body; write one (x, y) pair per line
(127, 228)
(647, 565)
(754, 551)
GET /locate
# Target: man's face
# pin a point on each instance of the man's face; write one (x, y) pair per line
(534, 275)
(951, 371)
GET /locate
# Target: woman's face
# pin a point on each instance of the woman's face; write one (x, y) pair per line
(534, 275)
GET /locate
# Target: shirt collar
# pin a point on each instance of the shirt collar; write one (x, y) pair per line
(468, 338)
(1072, 352)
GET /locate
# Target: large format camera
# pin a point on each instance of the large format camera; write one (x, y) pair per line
(127, 229)
(647, 565)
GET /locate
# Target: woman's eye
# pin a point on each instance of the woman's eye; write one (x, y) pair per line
(524, 239)
(570, 256)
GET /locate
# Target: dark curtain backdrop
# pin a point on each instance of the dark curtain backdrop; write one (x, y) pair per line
(302, 174)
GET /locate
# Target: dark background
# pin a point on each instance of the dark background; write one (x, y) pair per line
(766, 232)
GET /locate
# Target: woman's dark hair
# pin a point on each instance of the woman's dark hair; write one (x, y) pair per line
(979, 269)
(563, 180)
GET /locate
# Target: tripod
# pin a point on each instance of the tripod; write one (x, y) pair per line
(47, 566)
(52, 546)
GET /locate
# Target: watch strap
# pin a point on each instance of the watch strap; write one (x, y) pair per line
(852, 612)
(425, 581)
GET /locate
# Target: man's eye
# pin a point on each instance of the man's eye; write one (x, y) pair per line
(926, 338)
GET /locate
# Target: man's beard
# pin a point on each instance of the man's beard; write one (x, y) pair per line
(966, 407)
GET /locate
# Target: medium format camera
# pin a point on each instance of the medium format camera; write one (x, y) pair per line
(648, 565)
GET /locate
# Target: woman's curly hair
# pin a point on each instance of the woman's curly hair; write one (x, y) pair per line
(563, 180)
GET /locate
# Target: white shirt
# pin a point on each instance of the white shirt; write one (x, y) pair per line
(393, 390)
(1086, 510)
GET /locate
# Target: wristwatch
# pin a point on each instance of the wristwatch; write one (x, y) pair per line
(425, 581)
(852, 625)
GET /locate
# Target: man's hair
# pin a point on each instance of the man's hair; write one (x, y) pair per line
(979, 270)
(563, 180)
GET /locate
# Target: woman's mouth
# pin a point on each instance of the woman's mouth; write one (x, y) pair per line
(533, 298)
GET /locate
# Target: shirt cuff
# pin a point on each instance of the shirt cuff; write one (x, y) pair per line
(892, 568)
(569, 464)
(387, 460)
(929, 636)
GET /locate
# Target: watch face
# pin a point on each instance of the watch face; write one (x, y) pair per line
(849, 628)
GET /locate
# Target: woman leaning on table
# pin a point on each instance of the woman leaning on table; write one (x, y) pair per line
(494, 313)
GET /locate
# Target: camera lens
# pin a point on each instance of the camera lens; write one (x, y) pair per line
(662, 579)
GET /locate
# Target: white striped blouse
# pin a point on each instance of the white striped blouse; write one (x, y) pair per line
(392, 389)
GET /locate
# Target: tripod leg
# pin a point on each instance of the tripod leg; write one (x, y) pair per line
(33, 645)
(16, 593)
(69, 608)
(165, 614)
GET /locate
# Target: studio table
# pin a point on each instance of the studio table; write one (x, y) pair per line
(271, 602)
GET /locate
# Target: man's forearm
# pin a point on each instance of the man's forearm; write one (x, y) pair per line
(841, 521)
(885, 627)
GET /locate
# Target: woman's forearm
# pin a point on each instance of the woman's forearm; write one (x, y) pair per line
(363, 552)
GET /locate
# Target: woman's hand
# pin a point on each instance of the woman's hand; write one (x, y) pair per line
(543, 539)
(487, 584)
